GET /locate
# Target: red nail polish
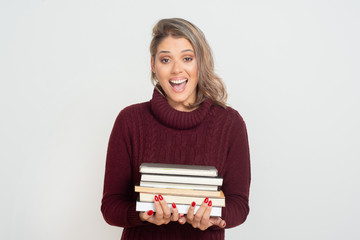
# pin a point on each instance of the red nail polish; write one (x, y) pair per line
(161, 197)
(173, 205)
(206, 200)
(156, 198)
(224, 224)
(181, 215)
(210, 203)
(150, 212)
(193, 204)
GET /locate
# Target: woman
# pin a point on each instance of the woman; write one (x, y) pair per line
(186, 122)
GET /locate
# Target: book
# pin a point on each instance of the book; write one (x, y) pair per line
(180, 192)
(178, 169)
(182, 208)
(178, 186)
(149, 197)
(217, 181)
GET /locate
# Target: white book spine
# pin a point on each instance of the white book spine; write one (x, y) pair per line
(182, 208)
(178, 169)
(179, 186)
(182, 179)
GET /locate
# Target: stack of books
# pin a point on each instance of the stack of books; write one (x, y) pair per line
(179, 184)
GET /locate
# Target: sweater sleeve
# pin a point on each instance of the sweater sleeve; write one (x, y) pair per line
(236, 175)
(118, 205)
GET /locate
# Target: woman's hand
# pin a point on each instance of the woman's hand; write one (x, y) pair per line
(163, 214)
(202, 219)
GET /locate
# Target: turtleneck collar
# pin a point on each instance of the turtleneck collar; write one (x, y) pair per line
(177, 119)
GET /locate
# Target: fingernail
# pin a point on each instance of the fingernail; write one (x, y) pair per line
(210, 203)
(161, 197)
(173, 205)
(206, 200)
(193, 204)
(150, 212)
(181, 215)
(156, 198)
(224, 224)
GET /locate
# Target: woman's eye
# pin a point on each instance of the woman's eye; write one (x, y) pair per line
(187, 59)
(165, 60)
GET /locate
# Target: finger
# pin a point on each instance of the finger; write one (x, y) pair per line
(165, 207)
(222, 224)
(199, 213)
(190, 214)
(158, 209)
(175, 213)
(217, 221)
(182, 219)
(146, 216)
(204, 222)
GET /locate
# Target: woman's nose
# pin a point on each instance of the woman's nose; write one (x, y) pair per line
(176, 69)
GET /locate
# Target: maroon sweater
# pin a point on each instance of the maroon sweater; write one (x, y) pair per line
(155, 132)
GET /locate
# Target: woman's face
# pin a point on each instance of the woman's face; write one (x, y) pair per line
(175, 68)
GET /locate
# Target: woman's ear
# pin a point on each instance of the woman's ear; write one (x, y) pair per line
(152, 65)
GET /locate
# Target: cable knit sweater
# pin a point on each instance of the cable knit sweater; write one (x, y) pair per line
(155, 132)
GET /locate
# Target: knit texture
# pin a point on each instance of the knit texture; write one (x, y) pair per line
(155, 132)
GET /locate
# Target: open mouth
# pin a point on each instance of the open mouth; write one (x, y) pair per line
(178, 85)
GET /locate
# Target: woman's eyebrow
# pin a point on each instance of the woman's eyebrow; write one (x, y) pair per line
(186, 50)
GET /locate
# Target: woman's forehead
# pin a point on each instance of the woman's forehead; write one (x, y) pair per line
(175, 45)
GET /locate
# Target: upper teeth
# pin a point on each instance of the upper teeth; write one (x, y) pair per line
(178, 81)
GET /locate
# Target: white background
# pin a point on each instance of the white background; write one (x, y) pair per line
(67, 67)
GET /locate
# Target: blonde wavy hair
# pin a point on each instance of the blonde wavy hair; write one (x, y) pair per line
(210, 84)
